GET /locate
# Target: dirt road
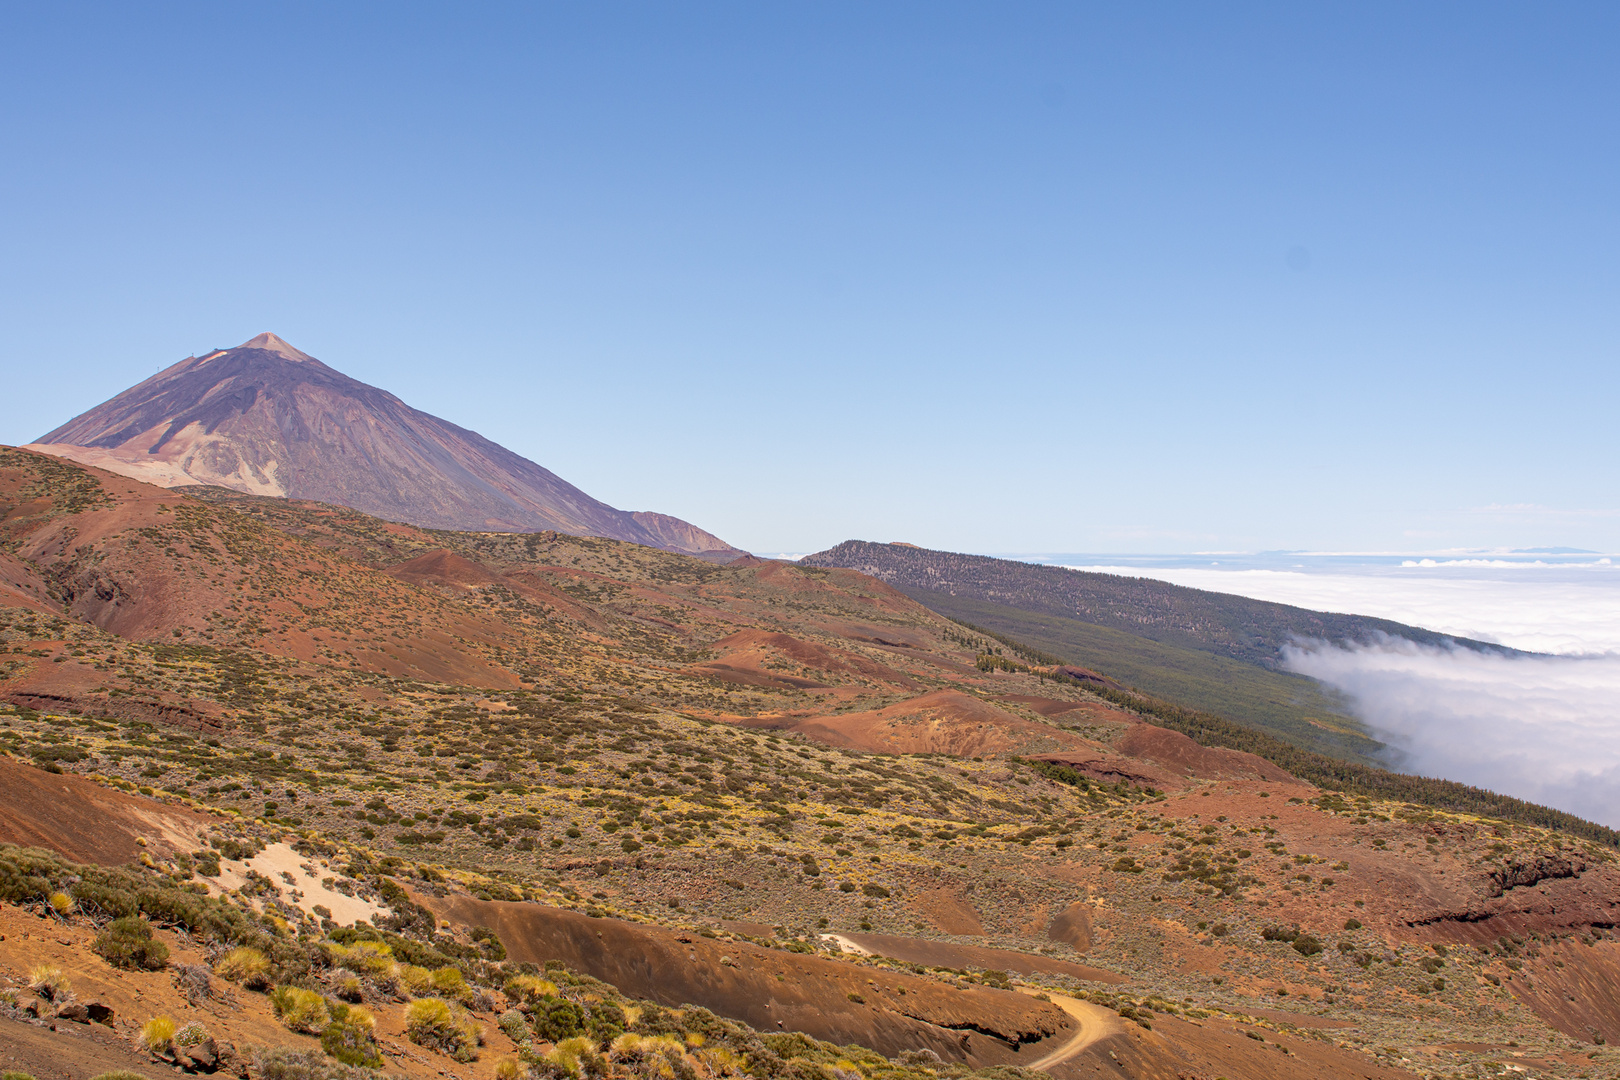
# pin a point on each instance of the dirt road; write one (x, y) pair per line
(1095, 1023)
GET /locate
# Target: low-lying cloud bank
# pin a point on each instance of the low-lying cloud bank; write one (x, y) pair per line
(1543, 728)
(1534, 606)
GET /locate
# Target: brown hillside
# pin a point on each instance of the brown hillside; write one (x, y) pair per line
(87, 822)
(939, 722)
(530, 721)
(774, 990)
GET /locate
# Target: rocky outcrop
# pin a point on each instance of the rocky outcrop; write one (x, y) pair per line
(1531, 872)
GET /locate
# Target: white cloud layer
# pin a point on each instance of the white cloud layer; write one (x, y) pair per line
(1535, 606)
(1545, 729)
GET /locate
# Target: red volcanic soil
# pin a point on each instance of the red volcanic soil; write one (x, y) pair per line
(66, 1050)
(1185, 1050)
(1575, 988)
(20, 587)
(150, 564)
(940, 722)
(1072, 927)
(775, 990)
(948, 911)
(1158, 757)
(60, 682)
(86, 822)
(1174, 751)
(944, 954)
(443, 567)
(753, 658)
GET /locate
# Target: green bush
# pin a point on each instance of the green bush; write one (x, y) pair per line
(605, 1023)
(514, 1026)
(127, 943)
(30, 875)
(489, 943)
(556, 1019)
(349, 1038)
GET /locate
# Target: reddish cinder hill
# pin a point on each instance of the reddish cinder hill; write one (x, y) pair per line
(269, 419)
(153, 565)
(940, 722)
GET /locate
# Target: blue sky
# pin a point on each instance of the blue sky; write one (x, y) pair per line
(1023, 277)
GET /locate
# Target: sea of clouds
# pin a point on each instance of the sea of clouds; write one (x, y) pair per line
(1544, 727)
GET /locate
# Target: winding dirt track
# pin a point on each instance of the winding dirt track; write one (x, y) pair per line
(1095, 1023)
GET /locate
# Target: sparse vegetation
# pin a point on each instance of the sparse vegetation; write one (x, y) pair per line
(48, 982)
(602, 780)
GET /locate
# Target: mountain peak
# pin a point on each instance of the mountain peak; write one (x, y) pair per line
(303, 430)
(271, 343)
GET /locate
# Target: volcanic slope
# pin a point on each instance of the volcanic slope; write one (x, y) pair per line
(269, 419)
(1236, 626)
(625, 779)
(1211, 651)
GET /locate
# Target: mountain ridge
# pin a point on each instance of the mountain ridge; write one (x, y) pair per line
(1222, 623)
(266, 418)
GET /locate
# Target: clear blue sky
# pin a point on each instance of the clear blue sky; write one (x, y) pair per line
(994, 277)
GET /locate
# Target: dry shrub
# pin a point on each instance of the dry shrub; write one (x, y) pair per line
(157, 1034)
(450, 983)
(529, 987)
(578, 1057)
(250, 967)
(61, 903)
(285, 1063)
(300, 1010)
(346, 986)
(415, 980)
(196, 981)
(49, 982)
(366, 957)
(514, 1026)
(439, 1025)
(190, 1035)
(656, 1057)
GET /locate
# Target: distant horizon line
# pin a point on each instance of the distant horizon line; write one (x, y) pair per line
(1450, 553)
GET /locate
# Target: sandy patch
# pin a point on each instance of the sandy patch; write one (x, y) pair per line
(307, 888)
